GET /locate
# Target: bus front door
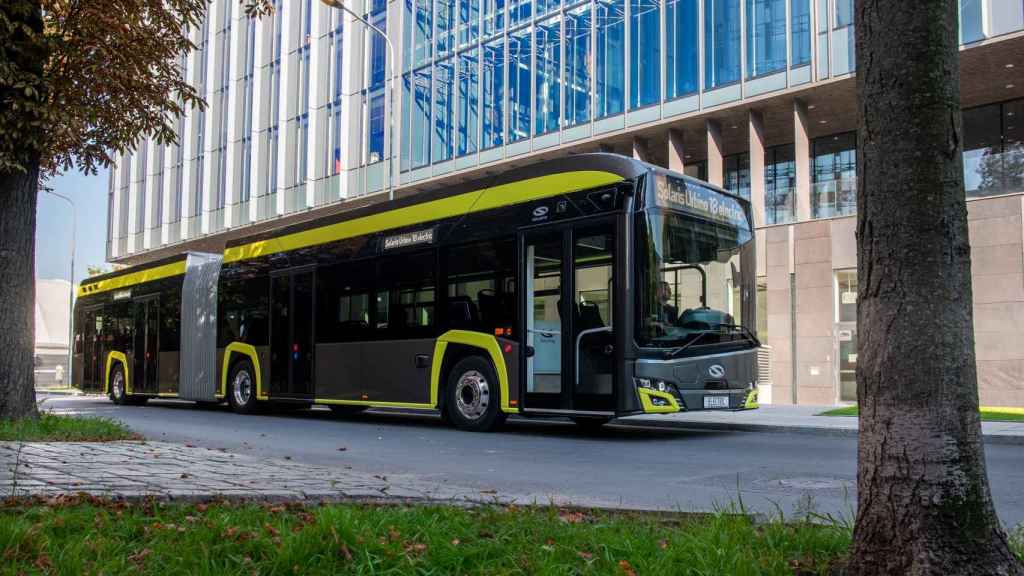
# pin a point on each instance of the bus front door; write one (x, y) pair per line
(568, 286)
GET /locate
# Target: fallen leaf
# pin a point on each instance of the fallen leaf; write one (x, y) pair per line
(456, 542)
(416, 548)
(663, 544)
(626, 568)
(270, 529)
(345, 551)
(184, 475)
(571, 517)
(585, 555)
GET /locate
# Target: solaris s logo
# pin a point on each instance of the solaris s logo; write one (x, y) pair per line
(716, 370)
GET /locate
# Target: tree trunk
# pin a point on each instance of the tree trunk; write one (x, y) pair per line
(924, 505)
(18, 195)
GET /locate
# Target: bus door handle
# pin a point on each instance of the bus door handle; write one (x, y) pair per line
(422, 361)
(530, 351)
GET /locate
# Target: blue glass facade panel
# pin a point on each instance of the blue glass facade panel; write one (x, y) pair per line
(420, 136)
(519, 12)
(494, 16)
(548, 81)
(800, 30)
(493, 94)
(682, 48)
(469, 21)
(422, 40)
(766, 37)
(610, 78)
(444, 26)
(444, 107)
(469, 102)
(577, 65)
(721, 43)
(645, 53)
(519, 73)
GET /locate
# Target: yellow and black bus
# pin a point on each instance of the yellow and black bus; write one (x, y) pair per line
(592, 286)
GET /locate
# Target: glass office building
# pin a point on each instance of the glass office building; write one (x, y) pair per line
(306, 109)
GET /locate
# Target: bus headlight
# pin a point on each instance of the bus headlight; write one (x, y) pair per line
(655, 384)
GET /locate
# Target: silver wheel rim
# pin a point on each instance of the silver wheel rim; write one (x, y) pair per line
(472, 395)
(241, 387)
(118, 384)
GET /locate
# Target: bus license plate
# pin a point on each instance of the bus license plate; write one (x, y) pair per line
(716, 402)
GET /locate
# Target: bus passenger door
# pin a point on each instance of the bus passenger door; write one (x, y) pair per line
(144, 347)
(568, 274)
(291, 334)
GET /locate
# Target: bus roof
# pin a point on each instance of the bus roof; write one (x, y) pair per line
(519, 185)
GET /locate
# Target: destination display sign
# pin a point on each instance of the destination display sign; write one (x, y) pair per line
(677, 194)
(409, 239)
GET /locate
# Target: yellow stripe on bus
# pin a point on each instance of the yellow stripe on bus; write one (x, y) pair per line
(132, 278)
(470, 202)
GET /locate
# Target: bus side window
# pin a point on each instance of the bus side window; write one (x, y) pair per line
(478, 277)
(406, 295)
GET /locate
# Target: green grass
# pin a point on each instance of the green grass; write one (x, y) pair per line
(51, 427)
(92, 537)
(988, 413)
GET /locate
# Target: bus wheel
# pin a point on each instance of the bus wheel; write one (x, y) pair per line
(347, 409)
(119, 391)
(242, 388)
(473, 399)
(590, 424)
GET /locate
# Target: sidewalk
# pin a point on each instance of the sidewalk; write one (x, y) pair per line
(795, 419)
(131, 470)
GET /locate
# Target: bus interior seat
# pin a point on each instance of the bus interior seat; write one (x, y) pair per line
(590, 316)
(462, 312)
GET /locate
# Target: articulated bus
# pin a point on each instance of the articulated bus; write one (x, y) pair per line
(592, 286)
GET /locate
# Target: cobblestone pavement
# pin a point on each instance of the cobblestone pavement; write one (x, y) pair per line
(176, 471)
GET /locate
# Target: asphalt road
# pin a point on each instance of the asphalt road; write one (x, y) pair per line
(544, 461)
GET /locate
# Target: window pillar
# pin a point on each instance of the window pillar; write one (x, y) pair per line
(715, 162)
(757, 185)
(676, 154)
(802, 161)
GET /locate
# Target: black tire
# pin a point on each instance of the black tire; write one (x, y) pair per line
(347, 409)
(591, 424)
(243, 377)
(119, 388)
(473, 381)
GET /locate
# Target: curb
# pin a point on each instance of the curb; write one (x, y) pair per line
(57, 392)
(1009, 439)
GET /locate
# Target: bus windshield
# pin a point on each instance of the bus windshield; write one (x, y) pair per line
(690, 285)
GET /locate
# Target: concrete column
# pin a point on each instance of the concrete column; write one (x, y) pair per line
(352, 127)
(150, 186)
(715, 161)
(676, 153)
(757, 162)
(169, 156)
(313, 136)
(802, 156)
(285, 138)
(211, 138)
(258, 158)
(116, 207)
(640, 149)
(239, 31)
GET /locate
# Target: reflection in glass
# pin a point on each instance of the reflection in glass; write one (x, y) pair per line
(736, 176)
(493, 94)
(443, 109)
(610, 78)
(548, 79)
(721, 42)
(766, 37)
(645, 53)
(420, 134)
(834, 191)
(469, 108)
(469, 21)
(577, 65)
(779, 185)
(800, 26)
(519, 85)
(682, 50)
(994, 149)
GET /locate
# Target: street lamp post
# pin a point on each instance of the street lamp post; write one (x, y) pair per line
(71, 279)
(390, 80)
